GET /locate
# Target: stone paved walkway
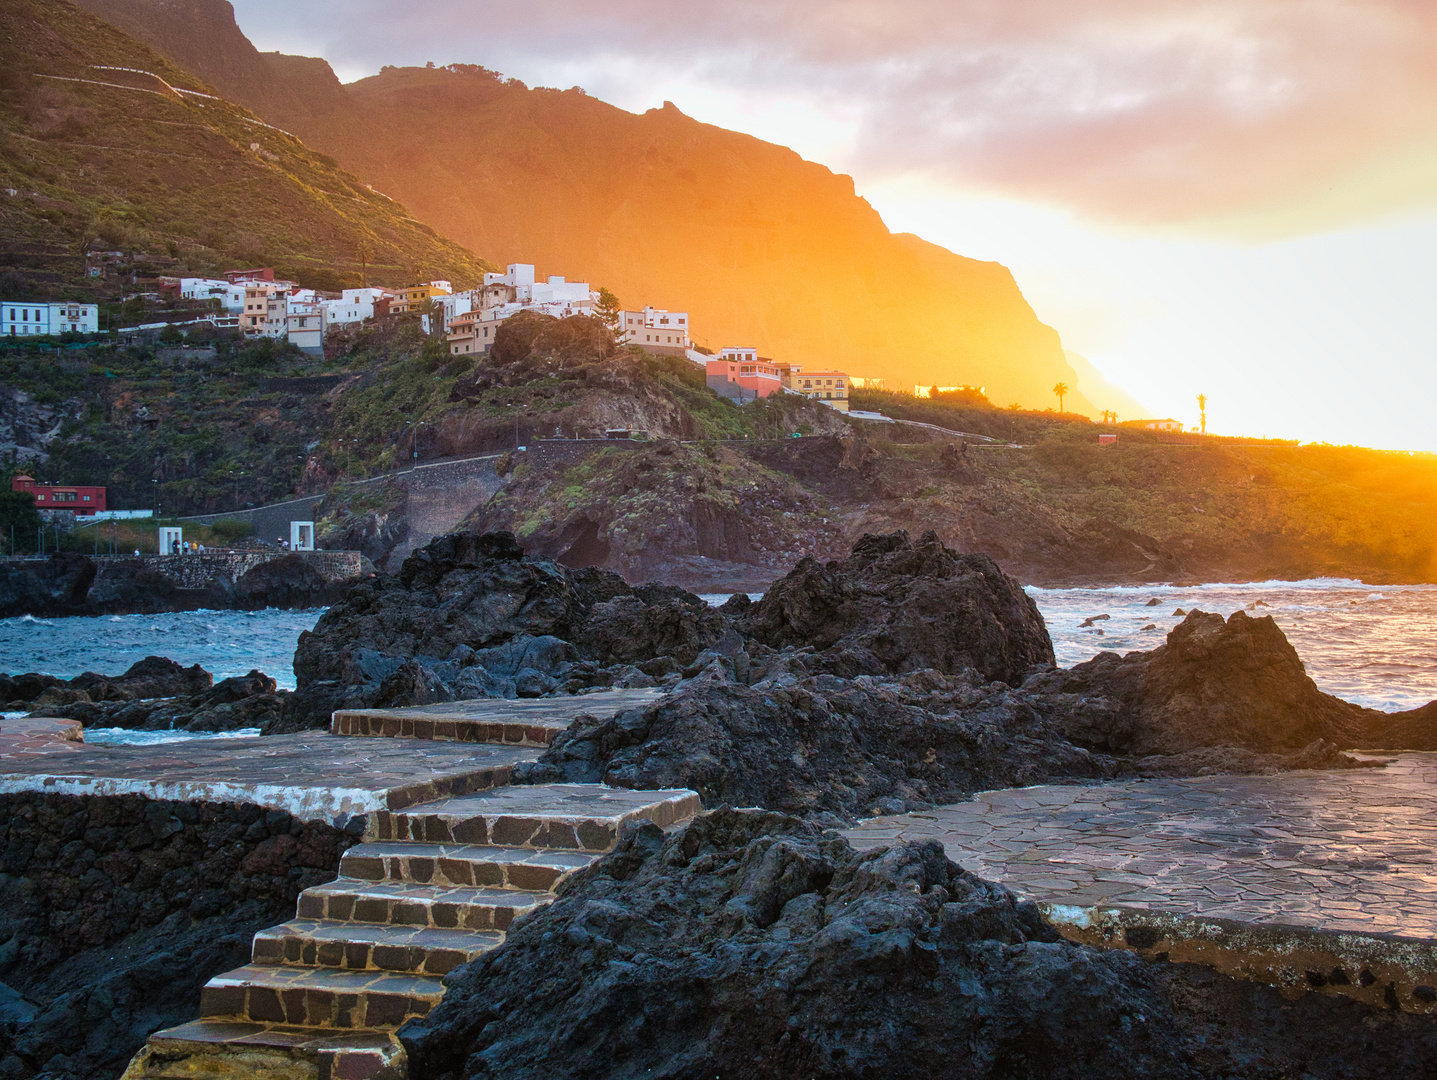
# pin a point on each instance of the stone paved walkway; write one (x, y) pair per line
(1309, 880)
(1351, 850)
(313, 775)
(432, 753)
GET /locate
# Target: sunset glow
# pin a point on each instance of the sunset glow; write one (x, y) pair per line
(1209, 197)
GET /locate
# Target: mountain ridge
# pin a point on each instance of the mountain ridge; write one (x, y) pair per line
(759, 245)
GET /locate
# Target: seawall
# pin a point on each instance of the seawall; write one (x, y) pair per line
(115, 910)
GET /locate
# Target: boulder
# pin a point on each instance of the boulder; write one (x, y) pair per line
(504, 624)
(895, 605)
(462, 589)
(1234, 682)
(632, 629)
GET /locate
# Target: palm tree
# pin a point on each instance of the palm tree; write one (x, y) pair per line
(1202, 409)
(1062, 391)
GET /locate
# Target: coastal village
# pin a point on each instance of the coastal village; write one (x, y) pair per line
(255, 303)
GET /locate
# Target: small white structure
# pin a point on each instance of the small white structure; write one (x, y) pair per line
(301, 536)
(172, 540)
(657, 330)
(21, 317)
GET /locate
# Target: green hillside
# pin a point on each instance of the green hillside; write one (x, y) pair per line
(142, 162)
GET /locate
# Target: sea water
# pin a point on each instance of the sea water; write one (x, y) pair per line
(222, 642)
(1375, 646)
(1371, 645)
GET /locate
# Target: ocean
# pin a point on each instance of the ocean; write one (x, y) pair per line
(1375, 646)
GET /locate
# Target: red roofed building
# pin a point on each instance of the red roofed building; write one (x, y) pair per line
(82, 500)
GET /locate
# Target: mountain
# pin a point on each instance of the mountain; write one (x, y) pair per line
(104, 144)
(762, 247)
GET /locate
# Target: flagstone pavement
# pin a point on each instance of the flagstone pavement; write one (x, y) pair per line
(1347, 851)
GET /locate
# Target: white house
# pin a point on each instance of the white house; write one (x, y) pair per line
(24, 317)
(230, 295)
(352, 308)
(657, 330)
(304, 325)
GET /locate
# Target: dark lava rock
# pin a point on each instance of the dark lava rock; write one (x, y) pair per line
(136, 588)
(115, 910)
(895, 605)
(470, 616)
(822, 746)
(627, 630)
(152, 677)
(56, 587)
(187, 701)
(286, 582)
(462, 589)
(89, 1015)
(1235, 682)
(751, 944)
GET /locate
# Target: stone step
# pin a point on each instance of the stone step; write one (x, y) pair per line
(397, 724)
(461, 864)
(399, 903)
(319, 997)
(225, 1049)
(514, 721)
(371, 947)
(568, 817)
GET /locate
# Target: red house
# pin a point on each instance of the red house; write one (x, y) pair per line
(82, 500)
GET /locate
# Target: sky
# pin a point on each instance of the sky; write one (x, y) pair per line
(1229, 197)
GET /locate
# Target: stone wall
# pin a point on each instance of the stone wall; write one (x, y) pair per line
(202, 571)
(114, 911)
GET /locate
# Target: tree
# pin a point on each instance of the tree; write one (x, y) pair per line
(1062, 391)
(607, 309)
(170, 334)
(1202, 409)
(17, 510)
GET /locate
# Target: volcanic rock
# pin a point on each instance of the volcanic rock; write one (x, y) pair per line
(1235, 682)
(752, 944)
(824, 747)
(55, 587)
(895, 605)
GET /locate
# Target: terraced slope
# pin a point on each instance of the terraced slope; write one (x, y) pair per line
(105, 145)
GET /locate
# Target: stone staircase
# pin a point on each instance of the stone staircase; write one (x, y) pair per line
(432, 886)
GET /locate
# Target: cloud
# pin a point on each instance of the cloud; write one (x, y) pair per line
(1254, 115)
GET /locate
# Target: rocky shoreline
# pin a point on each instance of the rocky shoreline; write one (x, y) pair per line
(903, 676)
(759, 942)
(71, 584)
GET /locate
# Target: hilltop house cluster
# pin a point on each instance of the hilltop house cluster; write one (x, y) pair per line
(257, 304)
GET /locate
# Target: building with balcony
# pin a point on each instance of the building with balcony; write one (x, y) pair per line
(740, 374)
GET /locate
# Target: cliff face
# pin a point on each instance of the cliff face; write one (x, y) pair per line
(124, 160)
(762, 247)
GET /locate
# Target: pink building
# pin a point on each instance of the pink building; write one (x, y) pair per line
(743, 375)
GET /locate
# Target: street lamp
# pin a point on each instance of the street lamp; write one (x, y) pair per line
(515, 406)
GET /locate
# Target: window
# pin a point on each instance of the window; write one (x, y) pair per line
(87, 498)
